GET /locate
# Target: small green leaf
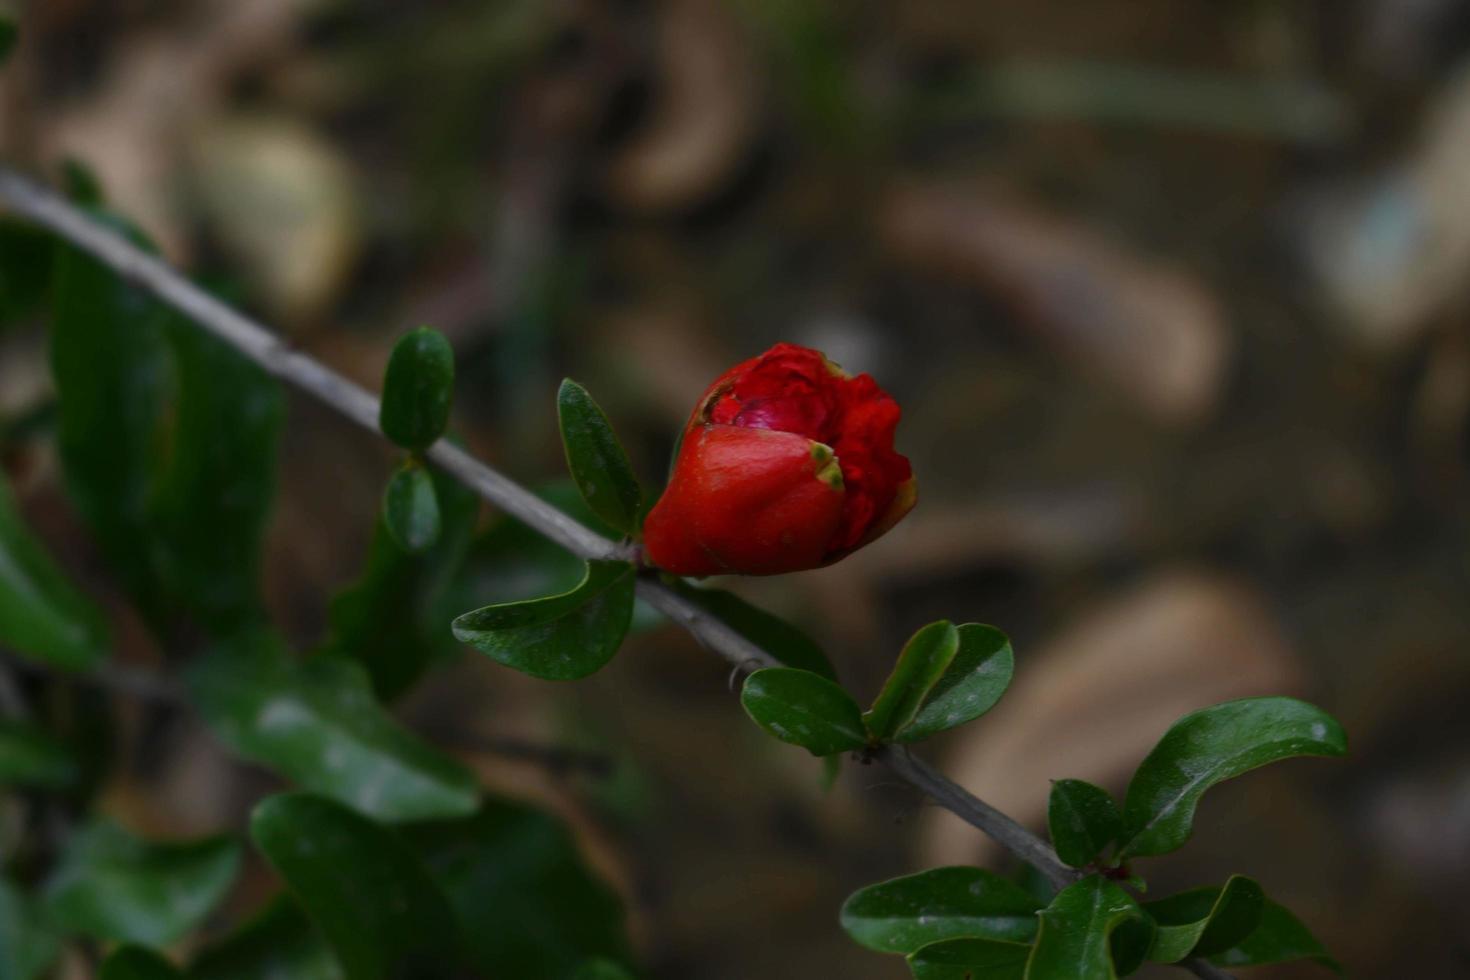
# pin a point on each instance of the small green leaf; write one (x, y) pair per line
(968, 959)
(8, 34)
(41, 614)
(411, 508)
(924, 659)
(597, 460)
(280, 942)
(113, 886)
(137, 963)
(418, 389)
(970, 686)
(1082, 819)
(1280, 937)
(560, 637)
(33, 759)
(1205, 921)
(780, 639)
(28, 945)
(804, 709)
(316, 723)
(1208, 747)
(600, 969)
(81, 185)
(361, 885)
(906, 914)
(526, 903)
(1074, 941)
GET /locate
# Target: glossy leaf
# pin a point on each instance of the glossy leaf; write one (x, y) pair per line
(973, 682)
(1205, 921)
(600, 969)
(1208, 747)
(360, 884)
(280, 942)
(41, 614)
(28, 945)
(906, 914)
(418, 389)
(596, 459)
(411, 508)
(919, 667)
(968, 959)
(1074, 941)
(32, 758)
(527, 905)
(804, 709)
(1279, 937)
(780, 639)
(1082, 820)
(560, 637)
(316, 722)
(111, 885)
(137, 963)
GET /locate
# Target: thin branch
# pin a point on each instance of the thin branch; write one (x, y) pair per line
(1205, 969)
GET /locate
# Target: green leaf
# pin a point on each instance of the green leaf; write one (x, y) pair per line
(8, 34)
(361, 885)
(411, 508)
(280, 942)
(32, 758)
(906, 914)
(596, 459)
(526, 903)
(137, 963)
(41, 614)
(111, 885)
(1205, 921)
(924, 659)
(81, 184)
(1082, 820)
(27, 259)
(560, 637)
(418, 389)
(316, 723)
(804, 709)
(780, 639)
(967, 959)
(1280, 937)
(28, 945)
(970, 686)
(1074, 939)
(1208, 747)
(600, 969)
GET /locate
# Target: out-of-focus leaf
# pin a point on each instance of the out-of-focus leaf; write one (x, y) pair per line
(967, 959)
(1205, 921)
(114, 886)
(81, 184)
(137, 963)
(278, 943)
(28, 945)
(26, 261)
(362, 886)
(8, 34)
(1209, 746)
(30, 757)
(1082, 820)
(1074, 939)
(921, 664)
(804, 709)
(411, 509)
(41, 615)
(418, 389)
(560, 637)
(1280, 937)
(526, 904)
(973, 682)
(596, 459)
(316, 722)
(903, 915)
(601, 969)
(780, 639)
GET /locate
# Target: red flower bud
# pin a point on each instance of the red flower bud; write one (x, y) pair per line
(786, 463)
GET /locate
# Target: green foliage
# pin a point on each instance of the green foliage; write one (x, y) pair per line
(780, 639)
(1208, 747)
(971, 684)
(903, 915)
(8, 34)
(41, 614)
(360, 884)
(1082, 820)
(418, 389)
(137, 963)
(279, 942)
(32, 758)
(27, 255)
(113, 886)
(28, 944)
(966, 959)
(317, 723)
(597, 461)
(1073, 941)
(923, 661)
(560, 637)
(411, 508)
(1280, 937)
(804, 709)
(600, 969)
(1205, 921)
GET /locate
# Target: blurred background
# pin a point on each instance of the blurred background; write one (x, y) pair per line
(1175, 295)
